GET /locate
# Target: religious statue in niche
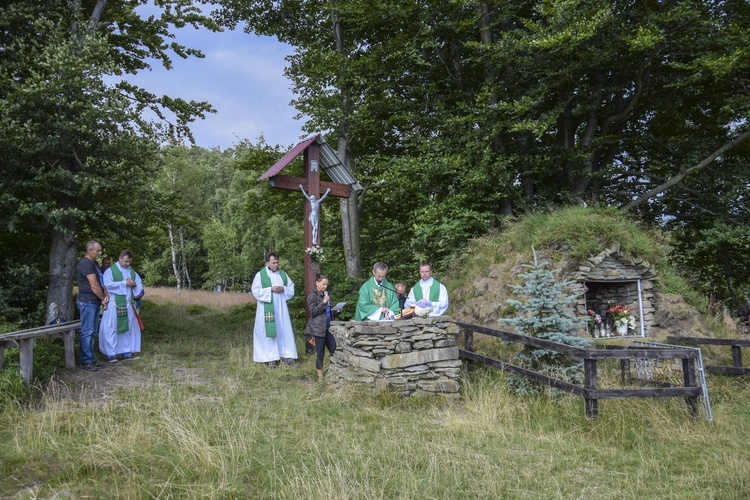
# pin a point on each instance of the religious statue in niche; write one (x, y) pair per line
(314, 209)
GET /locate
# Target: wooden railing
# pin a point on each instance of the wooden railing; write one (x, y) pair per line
(25, 340)
(590, 391)
(735, 344)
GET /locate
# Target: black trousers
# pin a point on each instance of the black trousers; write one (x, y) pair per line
(321, 343)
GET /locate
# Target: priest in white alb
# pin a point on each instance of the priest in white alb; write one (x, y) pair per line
(273, 337)
(119, 333)
(429, 289)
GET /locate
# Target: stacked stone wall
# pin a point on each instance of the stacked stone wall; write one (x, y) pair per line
(612, 279)
(413, 357)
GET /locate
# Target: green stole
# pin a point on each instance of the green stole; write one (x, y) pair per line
(121, 301)
(268, 314)
(434, 291)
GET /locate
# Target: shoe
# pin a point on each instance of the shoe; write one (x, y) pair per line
(272, 364)
(98, 365)
(290, 362)
(113, 359)
(129, 357)
(90, 367)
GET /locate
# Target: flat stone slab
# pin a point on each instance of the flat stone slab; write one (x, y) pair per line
(419, 357)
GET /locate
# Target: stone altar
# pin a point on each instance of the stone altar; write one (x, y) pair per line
(414, 357)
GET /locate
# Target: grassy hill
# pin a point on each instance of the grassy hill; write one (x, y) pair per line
(481, 277)
(196, 418)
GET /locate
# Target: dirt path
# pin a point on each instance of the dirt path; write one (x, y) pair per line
(98, 387)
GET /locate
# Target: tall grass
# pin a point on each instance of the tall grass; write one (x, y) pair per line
(209, 423)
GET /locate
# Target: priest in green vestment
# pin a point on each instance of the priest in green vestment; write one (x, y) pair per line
(377, 298)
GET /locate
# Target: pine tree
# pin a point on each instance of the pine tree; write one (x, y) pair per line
(547, 313)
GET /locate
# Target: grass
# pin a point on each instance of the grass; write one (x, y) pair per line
(210, 423)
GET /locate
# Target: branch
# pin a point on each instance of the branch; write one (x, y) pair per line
(96, 15)
(672, 181)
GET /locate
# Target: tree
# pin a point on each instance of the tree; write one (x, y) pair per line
(74, 148)
(547, 313)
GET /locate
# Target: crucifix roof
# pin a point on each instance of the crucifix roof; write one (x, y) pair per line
(329, 162)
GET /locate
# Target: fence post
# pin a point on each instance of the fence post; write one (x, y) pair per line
(624, 370)
(737, 356)
(688, 372)
(589, 376)
(469, 346)
(69, 343)
(27, 359)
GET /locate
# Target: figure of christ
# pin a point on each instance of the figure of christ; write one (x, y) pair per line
(314, 208)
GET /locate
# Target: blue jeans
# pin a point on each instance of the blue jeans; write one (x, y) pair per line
(89, 330)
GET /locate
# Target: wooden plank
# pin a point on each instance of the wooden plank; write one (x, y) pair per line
(41, 331)
(646, 392)
(641, 353)
(27, 360)
(728, 370)
(701, 340)
(292, 183)
(526, 340)
(607, 353)
(538, 377)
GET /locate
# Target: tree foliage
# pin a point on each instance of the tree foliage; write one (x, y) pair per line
(459, 113)
(77, 150)
(548, 312)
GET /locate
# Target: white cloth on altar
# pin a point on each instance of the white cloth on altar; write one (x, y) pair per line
(439, 307)
(267, 349)
(111, 342)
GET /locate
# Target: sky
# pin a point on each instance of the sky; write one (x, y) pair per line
(242, 76)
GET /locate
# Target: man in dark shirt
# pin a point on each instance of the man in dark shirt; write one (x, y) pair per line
(91, 295)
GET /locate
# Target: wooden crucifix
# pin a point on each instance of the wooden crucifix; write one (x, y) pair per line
(314, 190)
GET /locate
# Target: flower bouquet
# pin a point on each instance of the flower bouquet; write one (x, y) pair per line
(597, 321)
(316, 252)
(622, 318)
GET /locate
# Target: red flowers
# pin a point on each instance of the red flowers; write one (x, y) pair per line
(619, 312)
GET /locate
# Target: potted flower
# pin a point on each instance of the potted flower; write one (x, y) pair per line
(622, 319)
(315, 252)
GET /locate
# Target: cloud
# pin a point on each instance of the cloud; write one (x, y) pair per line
(242, 76)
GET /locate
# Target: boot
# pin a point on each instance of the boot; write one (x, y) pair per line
(320, 374)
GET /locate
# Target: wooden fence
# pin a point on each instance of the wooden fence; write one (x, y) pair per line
(590, 390)
(735, 344)
(25, 339)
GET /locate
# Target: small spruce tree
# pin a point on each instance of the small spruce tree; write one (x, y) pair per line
(547, 313)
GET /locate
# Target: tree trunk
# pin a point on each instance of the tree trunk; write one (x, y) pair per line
(177, 274)
(62, 269)
(349, 209)
(183, 259)
(505, 205)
